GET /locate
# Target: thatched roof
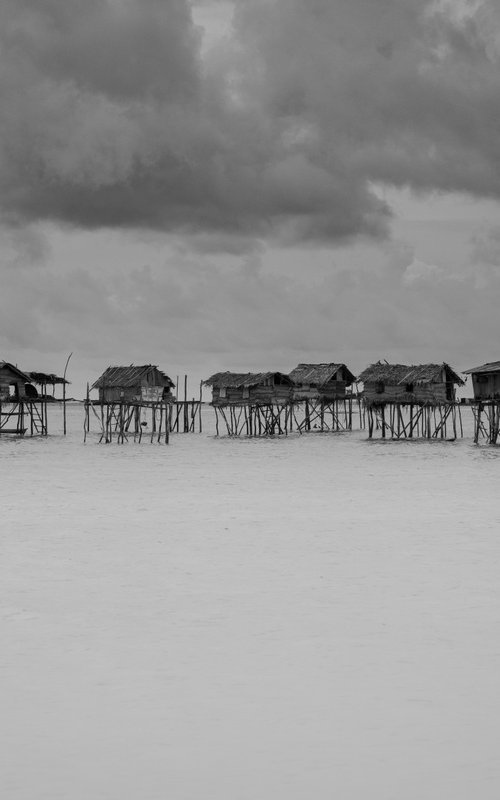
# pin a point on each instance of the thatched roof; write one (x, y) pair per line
(319, 374)
(237, 380)
(492, 366)
(394, 374)
(128, 377)
(23, 376)
(43, 378)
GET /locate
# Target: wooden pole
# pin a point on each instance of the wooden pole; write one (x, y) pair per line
(44, 412)
(160, 423)
(201, 402)
(370, 423)
(86, 422)
(64, 393)
(478, 423)
(103, 425)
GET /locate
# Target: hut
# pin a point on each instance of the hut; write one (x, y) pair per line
(21, 409)
(486, 403)
(327, 381)
(399, 383)
(134, 384)
(15, 385)
(322, 391)
(425, 392)
(132, 399)
(263, 399)
(241, 388)
(485, 381)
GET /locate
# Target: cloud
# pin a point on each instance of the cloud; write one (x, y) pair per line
(23, 247)
(112, 114)
(197, 314)
(421, 271)
(486, 247)
(397, 92)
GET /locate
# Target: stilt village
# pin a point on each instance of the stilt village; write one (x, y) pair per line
(142, 403)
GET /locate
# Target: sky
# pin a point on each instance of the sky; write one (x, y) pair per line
(244, 185)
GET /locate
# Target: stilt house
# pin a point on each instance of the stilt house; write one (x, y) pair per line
(237, 388)
(18, 412)
(15, 385)
(321, 381)
(485, 381)
(134, 384)
(425, 384)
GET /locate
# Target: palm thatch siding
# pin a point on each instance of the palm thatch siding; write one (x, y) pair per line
(321, 381)
(133, 384)
(429, 384)
(244, 388)
(486, 381)
(15, 385)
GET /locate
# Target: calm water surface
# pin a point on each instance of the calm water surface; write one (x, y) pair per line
(312, 616)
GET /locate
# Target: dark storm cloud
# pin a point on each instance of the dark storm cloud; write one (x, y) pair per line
(111, 116)
(398, 91)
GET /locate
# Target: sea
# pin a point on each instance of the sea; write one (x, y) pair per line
(286, 618)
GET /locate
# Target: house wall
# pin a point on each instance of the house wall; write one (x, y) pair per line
(486, 386)
(114, 394)
(257, 394)
(425, 393)
(305, 392)
(149, 389)
(7, 379)
(333, 389)
(152, 394)
(328, 391)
